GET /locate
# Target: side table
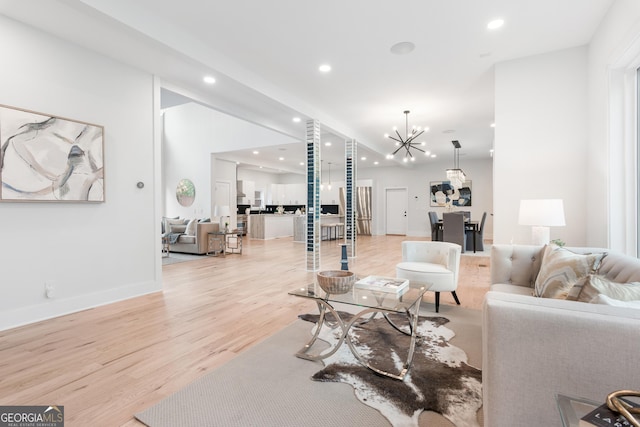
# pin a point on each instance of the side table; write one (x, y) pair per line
(216, 243)
(221, 242)
(165, 246)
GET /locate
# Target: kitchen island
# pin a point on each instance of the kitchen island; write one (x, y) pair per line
(271, 226)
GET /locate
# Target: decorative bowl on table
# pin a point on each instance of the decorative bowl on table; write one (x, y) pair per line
(336, 281)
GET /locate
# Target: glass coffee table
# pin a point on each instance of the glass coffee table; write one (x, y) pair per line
(372, 302)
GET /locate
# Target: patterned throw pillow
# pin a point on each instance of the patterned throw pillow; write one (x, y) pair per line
(593, 285)
(561, 269)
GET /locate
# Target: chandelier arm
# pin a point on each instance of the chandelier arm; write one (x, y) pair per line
(414, 136)
(399, 136)
(397, 149)
(407, 147)
(416, 148)
(396, 139)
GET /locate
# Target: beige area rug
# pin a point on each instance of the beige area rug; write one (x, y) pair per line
(268, 386)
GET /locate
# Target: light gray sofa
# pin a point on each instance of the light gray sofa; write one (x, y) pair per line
(535, 348)
(193, 244)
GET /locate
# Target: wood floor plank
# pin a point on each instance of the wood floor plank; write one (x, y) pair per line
(107, 363)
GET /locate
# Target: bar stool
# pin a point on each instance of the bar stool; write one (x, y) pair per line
(326, 231)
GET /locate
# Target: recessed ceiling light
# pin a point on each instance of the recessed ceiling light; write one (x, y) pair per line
(324, 68)
(433, 156)
(301, 163)
(402, 48)
(493, 125)
(256, 152)
(209, 80)
(280, 158)
(376, 162)
(495, 24)
(448, 131)
(363, 158)
(297, 119)
(327, 144)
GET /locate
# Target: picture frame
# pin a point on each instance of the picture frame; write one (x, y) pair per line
(48, 158)
(442, 194)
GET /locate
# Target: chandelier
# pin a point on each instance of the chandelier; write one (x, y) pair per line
(407, 143)
(456, 175)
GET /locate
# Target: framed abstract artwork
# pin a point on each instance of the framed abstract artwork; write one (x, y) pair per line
(49, 158)
(442, 193)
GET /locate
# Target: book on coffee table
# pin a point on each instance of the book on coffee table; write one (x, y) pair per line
(602, 416)
(382, 284)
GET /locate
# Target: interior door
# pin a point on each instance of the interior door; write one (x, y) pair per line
(223, 198)
(396, 211)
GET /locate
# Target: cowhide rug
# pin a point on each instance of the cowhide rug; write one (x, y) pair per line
(439, 380)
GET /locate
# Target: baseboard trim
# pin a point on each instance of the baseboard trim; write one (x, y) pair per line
(59, 307)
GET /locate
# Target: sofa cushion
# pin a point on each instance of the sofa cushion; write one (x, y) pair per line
(187, 239)
(423, 267)
(191, 227)
(512, 289)
(605, 300)
(592, 285)
(561, 269)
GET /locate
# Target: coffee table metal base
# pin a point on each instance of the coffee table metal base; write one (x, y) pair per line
(324, 306)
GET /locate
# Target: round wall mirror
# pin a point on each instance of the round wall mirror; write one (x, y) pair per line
(186, 192)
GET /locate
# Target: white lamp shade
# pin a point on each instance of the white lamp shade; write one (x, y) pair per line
(222, 211)
(542, 212)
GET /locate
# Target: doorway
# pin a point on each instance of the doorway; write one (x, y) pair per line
(396, 211)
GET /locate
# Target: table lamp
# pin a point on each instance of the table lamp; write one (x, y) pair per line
(223, 212)
(541, 214)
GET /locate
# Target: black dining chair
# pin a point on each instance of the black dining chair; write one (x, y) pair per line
(453, 229)
(479, 235)
(436, 230)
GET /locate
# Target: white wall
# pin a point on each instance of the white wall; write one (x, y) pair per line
(607, 210)
(191, 133)
(541, 140)
(417, 181)
(185, 154)
(93, 253)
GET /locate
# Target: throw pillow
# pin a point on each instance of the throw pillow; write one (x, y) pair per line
(163, 224)
(191, 227)
(561, 269)
(177, 228)
(605, 300)
(168, 222)
(594, 285)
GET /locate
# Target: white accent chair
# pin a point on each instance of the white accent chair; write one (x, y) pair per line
(434, 263)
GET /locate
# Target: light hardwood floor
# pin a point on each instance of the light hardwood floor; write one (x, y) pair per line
(107, 363)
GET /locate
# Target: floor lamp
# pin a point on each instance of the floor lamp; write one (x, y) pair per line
(541, 214)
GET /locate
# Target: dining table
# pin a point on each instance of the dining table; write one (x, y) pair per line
(468, 226)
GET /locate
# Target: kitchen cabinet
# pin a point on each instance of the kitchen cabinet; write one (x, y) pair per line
(246, 192)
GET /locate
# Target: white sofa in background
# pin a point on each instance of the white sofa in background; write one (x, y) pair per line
(535, 348)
